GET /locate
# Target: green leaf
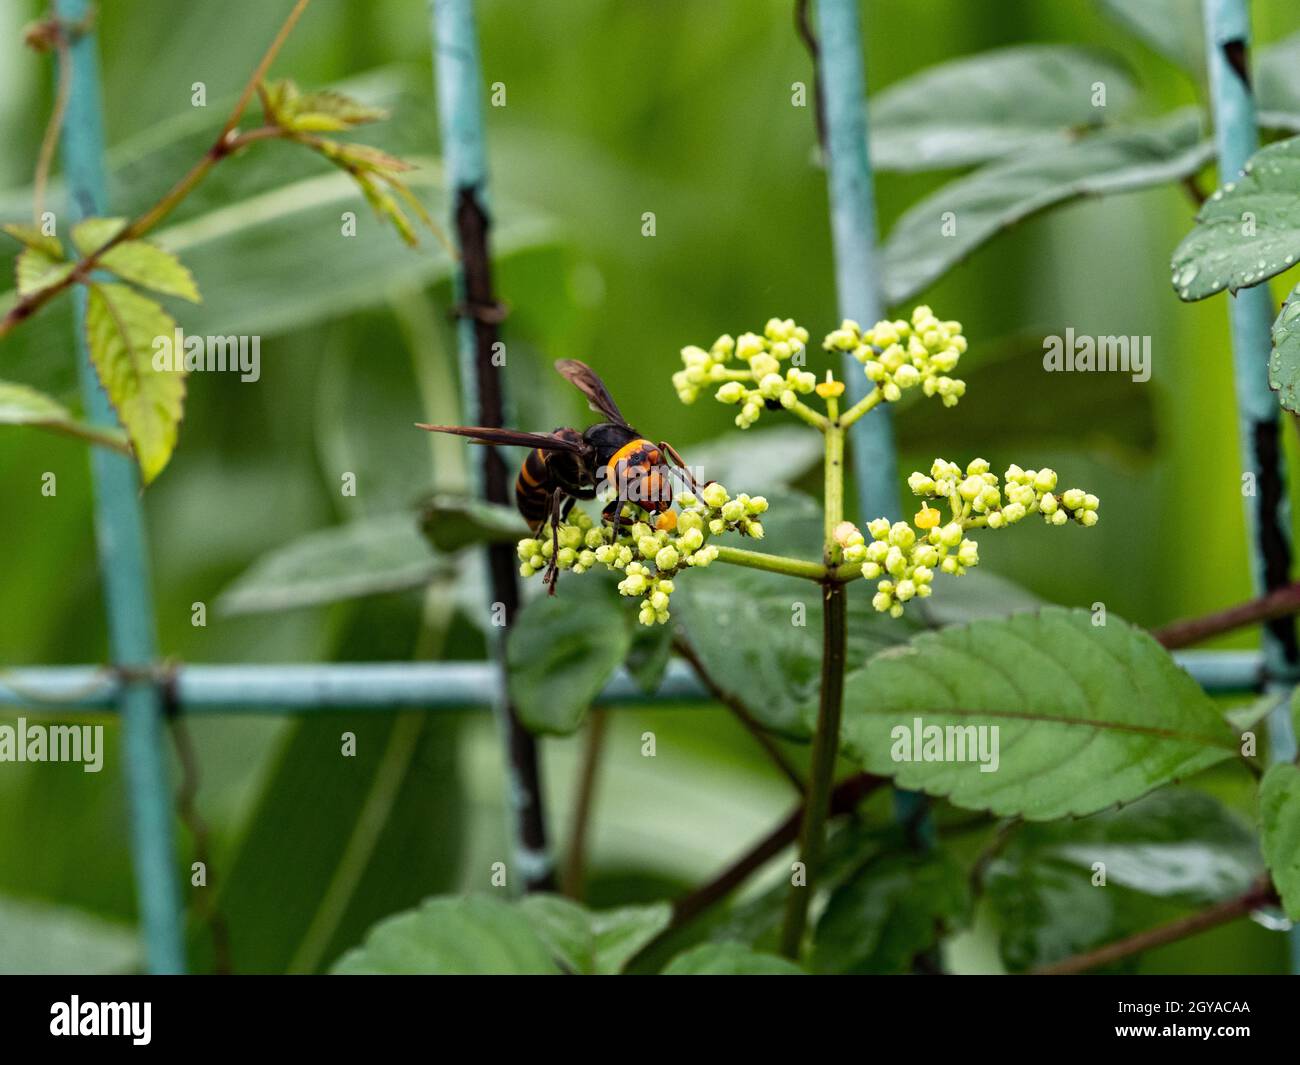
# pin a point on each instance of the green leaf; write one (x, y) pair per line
(1087, 716)
(1247, 231)
(46, 939)
(120, 329)
(477, 935)
(138, 261)
(920, 248)
(647, 661)
(757, 461)
(1284, 360)
(562, 649)
(594, 944)
(1172, 27)
(759, 635)
(451, 522)
(34, 238)
(891, 911)
(91, 234)
(323, 111)
(20, 405)
(1279, 825)
(1277, 84)
(372, 556)
(992, 104)
(295, 897)
(1106, 411)
(35, 270)
(729, 959)
(1176, 845)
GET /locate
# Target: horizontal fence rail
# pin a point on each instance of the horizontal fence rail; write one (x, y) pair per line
(202, 689)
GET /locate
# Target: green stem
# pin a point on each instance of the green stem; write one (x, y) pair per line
(826, 738)
(801, 410)
(791, 567)
(868, 402)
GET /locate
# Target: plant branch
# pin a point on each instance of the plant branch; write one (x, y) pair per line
(734, 703)
(826, 737)
(801, 410)
(791, 567)
(1261, 894)
(1276, 604)
(844, 799)
(575, 866)
(226, 144)
(865, 404)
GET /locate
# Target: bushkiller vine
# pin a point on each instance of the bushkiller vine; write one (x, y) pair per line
(761, 372)
(767, 372)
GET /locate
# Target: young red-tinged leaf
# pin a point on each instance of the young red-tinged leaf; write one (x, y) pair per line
(121, 326)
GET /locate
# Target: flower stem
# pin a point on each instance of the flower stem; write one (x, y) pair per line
(868, 402)
(791, 567)
(826, 738)
(801, 410)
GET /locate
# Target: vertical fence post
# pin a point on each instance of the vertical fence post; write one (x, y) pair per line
(119, 532)
(853, 232)
(1268, 522)
(460, 117)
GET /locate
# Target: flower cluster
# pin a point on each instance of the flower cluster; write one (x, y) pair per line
(648, 555)
(765, 382)
(903, 557)
(900, 355)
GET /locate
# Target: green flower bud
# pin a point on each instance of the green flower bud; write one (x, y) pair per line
(879, 528)
(733, 511)
(996, 520)
(881, 601)
(950, 565)
(870, 571)
(1073, 498)
(891, 392)
(1060, 517)
(764, 364)
(753, 529)
(905, 591)
(1088, 519)
(757, 505)
(968, 553)
(971, 488)
(689, 519)
(666, 586)
(525, 570)
(566, 558)
(527, 549)
(1013, 512)
(731, 392)
(691, 540)
(1045, 480)
(667, 559)
(586, 559)
(902, 534)
(1048, 504)
(632, 585)
(647, 547)
(896, 562)
(570, 536)
(950, 534)
(920, 484)
(715, 495)
(659, 601)
(1091, 502)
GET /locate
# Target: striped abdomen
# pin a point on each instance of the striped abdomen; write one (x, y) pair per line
(533, 489)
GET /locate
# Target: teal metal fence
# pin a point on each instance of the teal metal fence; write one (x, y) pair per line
(136, 681)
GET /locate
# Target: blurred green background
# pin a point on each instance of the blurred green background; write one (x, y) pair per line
(614, 108)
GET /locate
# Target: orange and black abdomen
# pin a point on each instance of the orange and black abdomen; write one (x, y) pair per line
(637, 472)
(533, 489)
